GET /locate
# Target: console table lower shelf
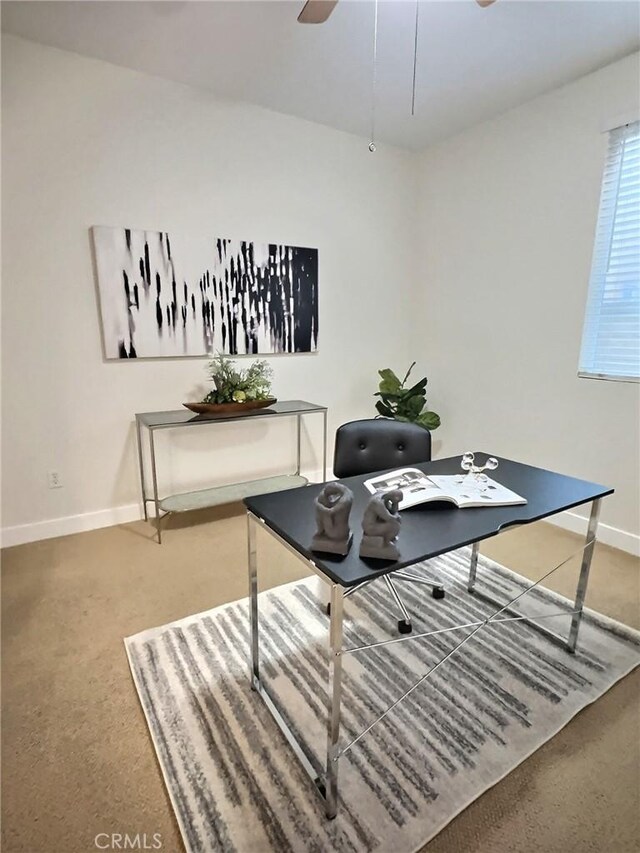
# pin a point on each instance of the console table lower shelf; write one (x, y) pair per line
(231, 493)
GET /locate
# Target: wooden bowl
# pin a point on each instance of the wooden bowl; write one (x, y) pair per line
(229, 408)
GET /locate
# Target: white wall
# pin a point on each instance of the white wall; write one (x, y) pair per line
(507, 217)
(85, 143)
(502, 244)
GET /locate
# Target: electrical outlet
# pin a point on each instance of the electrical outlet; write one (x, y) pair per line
(55, 482)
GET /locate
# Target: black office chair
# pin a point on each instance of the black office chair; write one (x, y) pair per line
(366, 446)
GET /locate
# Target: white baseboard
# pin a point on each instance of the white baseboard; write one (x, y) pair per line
(622, 539)
(23, 533)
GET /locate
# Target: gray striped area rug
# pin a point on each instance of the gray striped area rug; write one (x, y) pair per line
(233, 780)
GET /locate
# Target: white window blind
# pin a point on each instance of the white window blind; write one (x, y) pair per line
(611, 335)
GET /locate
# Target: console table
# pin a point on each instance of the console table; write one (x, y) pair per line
(203, 498)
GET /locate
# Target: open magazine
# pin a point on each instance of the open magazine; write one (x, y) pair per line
(462, 489)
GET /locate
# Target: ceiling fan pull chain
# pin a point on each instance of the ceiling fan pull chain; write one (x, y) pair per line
(415, 61)
(372, 144)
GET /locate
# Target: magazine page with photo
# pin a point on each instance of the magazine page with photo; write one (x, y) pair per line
(464, 490)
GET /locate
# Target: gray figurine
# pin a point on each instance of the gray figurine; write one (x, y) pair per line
(381, 526)
(333, 507)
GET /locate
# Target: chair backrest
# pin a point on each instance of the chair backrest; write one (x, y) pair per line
(378, 443)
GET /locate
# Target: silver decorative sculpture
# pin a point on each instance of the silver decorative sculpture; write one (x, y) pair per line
(381, 526)
(475, 476)
(333, 507)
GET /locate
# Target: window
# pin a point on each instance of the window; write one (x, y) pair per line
(611, 335)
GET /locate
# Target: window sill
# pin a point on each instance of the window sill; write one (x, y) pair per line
(582, 374)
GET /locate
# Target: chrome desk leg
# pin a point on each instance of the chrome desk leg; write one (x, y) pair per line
(566, 642)
(473, 566)
(141, 464)
(324, 780)
(583, 580)
(154, 475)
(298, 443)
(335, 694)
(324, 449)
(253, 602)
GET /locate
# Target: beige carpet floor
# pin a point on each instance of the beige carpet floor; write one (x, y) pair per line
(77, 758)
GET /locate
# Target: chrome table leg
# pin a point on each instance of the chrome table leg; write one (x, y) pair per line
(154, 475)
(473, 566)
(568, 643)
(583, 580)
(324, 780)
(335, 695)
(141, 464)
(253, 602)
(324, 449)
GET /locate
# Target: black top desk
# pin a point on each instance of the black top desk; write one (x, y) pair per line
(427, 531)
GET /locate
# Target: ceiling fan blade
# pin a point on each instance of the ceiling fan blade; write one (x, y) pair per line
(316, 11)
(485, 3)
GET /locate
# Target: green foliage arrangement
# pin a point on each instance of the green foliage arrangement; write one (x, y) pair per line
(402, 403)
(233, 385)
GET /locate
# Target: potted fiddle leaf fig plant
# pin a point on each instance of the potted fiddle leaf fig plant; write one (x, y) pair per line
(402, 403)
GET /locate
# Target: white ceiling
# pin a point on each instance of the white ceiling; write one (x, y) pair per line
(473, 63)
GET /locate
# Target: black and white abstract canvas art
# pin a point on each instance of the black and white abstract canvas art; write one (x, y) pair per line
(169, 296)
